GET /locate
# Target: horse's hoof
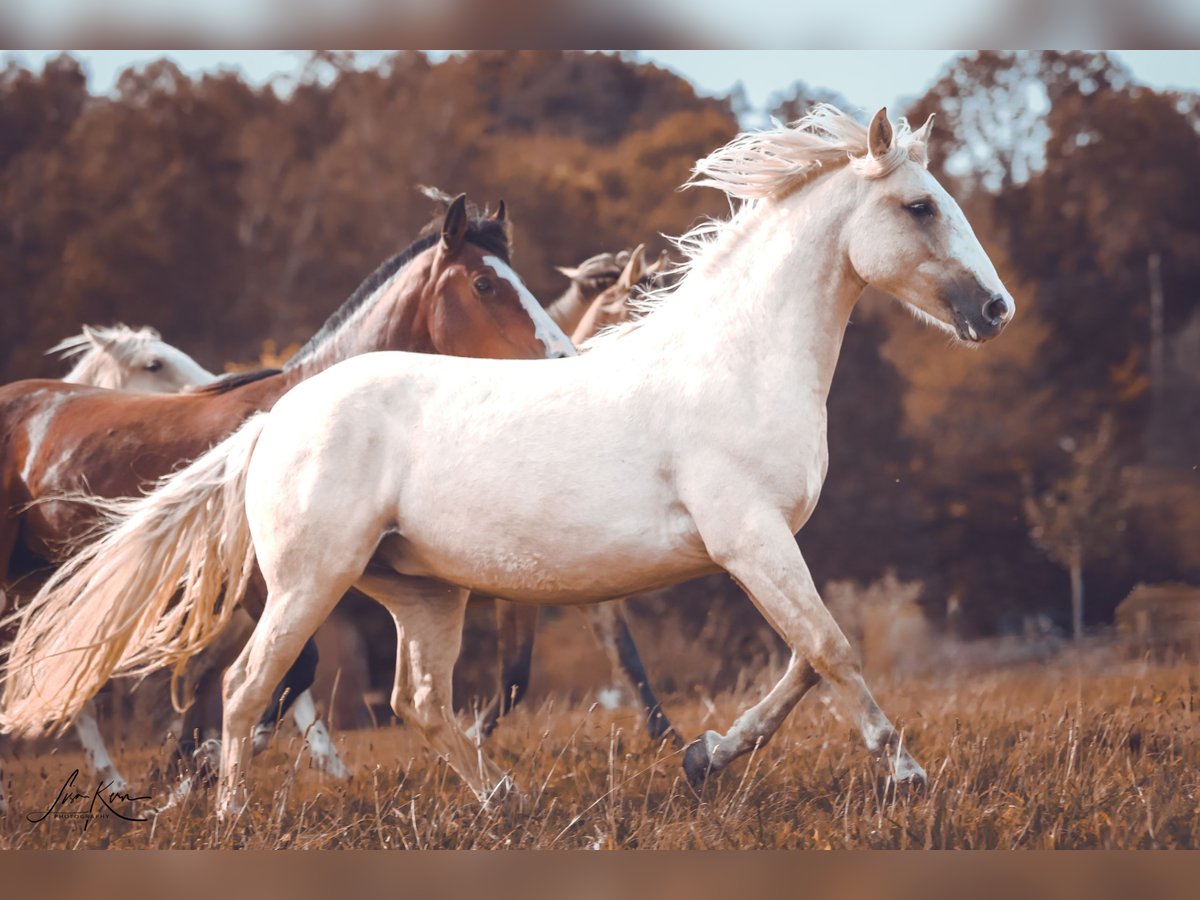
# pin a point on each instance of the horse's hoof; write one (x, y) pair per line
(662, 730)
(112, 781)
(206, 763)
(505, 794)
(336, 769)
(671, 736)
(912, 784)
(902, 778)
(697, 763)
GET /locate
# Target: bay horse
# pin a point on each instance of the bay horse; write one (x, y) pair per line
(130, 359)
(451, 291)
(703, 424)
(516, 623)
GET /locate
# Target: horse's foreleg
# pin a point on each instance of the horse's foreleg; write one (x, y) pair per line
(516, 627)
(95, 751)
(429, 623)
(761, 555)
(316, 735)
(712, 752)
(611, 628)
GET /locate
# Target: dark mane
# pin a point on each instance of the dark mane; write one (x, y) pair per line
(229, 382)
(488, 235)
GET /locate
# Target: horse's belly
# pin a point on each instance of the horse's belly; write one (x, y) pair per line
(555, 567)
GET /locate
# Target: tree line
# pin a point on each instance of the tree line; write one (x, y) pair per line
(235, 217)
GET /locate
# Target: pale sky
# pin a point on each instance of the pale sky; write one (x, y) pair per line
(867, 78)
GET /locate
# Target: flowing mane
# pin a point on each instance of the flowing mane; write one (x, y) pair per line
(757, 165)
(760, 166)
(488, 234)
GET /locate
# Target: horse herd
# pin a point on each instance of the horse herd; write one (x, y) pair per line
(414, 450)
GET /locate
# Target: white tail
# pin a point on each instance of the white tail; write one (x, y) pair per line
(109, 610)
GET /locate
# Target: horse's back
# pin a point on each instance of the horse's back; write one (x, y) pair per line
(422, 446)
(58, 437)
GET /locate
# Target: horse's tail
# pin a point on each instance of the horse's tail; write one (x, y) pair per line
(109, 610)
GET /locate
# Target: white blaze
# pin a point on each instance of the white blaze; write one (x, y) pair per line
(544, 328)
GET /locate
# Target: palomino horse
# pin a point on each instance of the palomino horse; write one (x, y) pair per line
(129, 359)
(453, 293)
(703, 424)
(516, 622)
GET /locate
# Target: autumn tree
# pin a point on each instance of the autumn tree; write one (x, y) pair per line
(1080, 517)
(796, 101)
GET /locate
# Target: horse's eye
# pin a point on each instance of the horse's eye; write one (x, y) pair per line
(483, 285)
(921, 209)
(154, 365)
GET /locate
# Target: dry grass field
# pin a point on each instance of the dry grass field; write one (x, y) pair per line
(1086, 751)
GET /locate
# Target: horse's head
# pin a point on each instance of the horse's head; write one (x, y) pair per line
(908, 237)
(612, 306)
(130, 359)
(596, 274)
(477, 305)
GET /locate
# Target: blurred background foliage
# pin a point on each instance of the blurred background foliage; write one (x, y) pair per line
(236, 217)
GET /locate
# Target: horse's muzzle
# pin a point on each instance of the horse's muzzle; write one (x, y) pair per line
(979, 314)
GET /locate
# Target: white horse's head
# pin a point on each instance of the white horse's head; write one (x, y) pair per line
(908, 237)
(129, 359)
(900, 231)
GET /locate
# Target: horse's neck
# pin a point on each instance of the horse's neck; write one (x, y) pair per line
(393, 320)
(589, 323)
(569, 309)
(767, 308)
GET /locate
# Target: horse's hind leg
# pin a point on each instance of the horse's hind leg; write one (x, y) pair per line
(299, 678)
(294, 695)
(292, 613)
(429, 625)
(611, 628)
(516, 627)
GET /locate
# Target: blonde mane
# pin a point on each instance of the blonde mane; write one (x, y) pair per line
(759, 166)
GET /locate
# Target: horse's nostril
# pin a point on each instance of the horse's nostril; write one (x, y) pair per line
(996, 310)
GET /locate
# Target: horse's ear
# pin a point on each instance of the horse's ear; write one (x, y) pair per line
(501, 213)
(99, 339)
(632, 272)
(454, 227)
(922, 133)
(879, 136)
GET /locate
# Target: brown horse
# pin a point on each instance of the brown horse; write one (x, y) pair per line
(441, 295)
(517, 622)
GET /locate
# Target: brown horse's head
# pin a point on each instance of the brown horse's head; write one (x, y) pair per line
(475, 303)
(613, 306)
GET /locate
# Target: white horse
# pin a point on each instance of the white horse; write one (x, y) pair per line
(416, 479)
(129, 359)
